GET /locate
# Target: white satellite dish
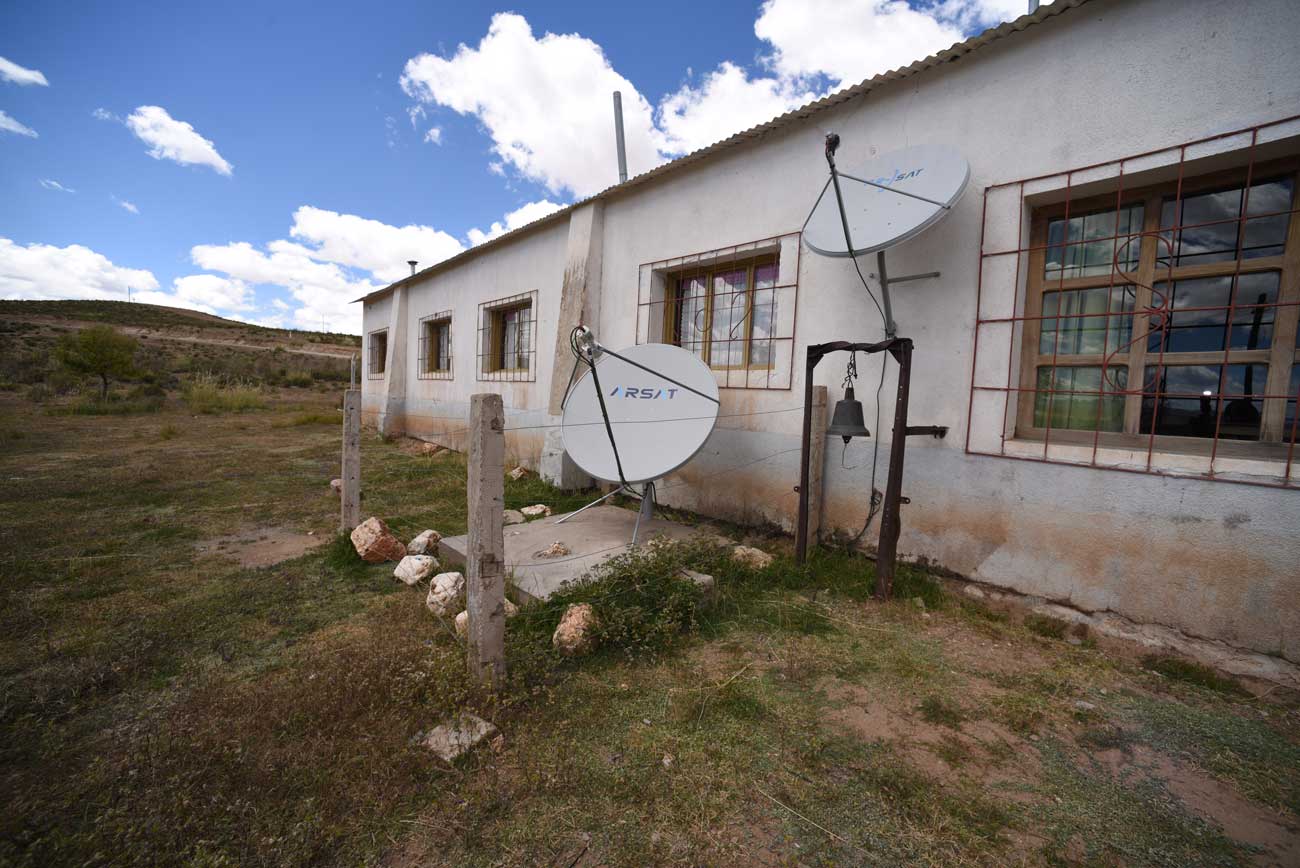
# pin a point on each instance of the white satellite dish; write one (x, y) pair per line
(636, 415)
(896, 197)
(658, 425)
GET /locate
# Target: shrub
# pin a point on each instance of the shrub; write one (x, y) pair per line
(1047, 626)
(299, 380)
(210, 394)
(108, 407)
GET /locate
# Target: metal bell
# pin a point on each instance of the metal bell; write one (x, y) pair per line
(848, 421)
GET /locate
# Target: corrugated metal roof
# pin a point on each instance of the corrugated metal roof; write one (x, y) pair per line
(791, 117)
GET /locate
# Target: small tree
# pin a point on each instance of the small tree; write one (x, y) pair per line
(98, 350)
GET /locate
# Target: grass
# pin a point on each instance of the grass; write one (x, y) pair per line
(1046, 626)
(1190, 672)
(213, 395)
(111, 407)
(300, 419)
(162, 705)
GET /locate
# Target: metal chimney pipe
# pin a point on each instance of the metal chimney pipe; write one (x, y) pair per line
(618, 137)
(412, 263)
(1033, 6)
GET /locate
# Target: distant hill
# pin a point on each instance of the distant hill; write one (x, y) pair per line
(153, 316)
(173, 344)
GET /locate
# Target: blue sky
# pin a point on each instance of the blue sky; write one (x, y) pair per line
(328, 142)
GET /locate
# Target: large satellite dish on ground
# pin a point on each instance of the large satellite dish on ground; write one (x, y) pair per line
(636, 415)
(897, 196)
(657, 424)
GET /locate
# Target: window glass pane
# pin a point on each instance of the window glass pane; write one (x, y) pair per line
(692, 312)
(1192, 330)
(1088, 244)
(442, 346)
(1083, 326)
(1082, 400)
(763, 316)
(1212, 223)
(730, 312)
(1291, 429)
(1189, 398)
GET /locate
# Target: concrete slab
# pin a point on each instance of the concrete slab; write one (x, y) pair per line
(598, 534)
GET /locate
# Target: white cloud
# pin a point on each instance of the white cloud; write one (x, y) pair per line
(379, 248)
(545, 102)
(519, 217)
(214, 291)
(9, 125)
(870, 36)
(43, 271)
(51, 184)
(322, 290)
(12, 72)
(726, 101)
(127, 206)
(434, 136)
(171, 139)
(104, 114)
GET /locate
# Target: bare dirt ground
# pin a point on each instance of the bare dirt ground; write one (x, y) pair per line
(187, 678)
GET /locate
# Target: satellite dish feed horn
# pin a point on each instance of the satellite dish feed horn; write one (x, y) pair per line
(636, 415)
(895, 197)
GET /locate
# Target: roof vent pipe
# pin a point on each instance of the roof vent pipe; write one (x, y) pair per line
(618, 137)
(1033, 6)
(412, 263)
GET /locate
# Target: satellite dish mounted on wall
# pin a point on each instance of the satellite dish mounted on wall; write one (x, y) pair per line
(889, 199)
(636, 415)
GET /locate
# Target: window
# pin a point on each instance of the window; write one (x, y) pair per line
(1170, 314)
(725, 313)
(377, 359)
(435, 346)
(507, 338)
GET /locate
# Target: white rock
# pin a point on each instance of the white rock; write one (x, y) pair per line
(514, 516)
(704, 582)
(458, 736)
(424, 544)
(511, 609)
(536, 510)
(336, 486)
(751, 557)
(556, 549)
(445, 593)
(415, 568)
(973, 591)
(375, 542)
(462, 624)
(575, 634)
(518, 473)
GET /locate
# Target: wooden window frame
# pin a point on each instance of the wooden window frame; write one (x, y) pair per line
(429, 350)
(672, 303)
(1281, 354)
(376, 363)
(491, 338)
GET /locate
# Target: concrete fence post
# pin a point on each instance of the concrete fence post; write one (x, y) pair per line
(485, 547)
(350, 511)
(816, 462)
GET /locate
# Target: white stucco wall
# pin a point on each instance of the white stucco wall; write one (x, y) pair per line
(1098, 83)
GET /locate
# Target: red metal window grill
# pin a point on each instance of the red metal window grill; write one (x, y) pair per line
(734, 307)
(1141, 314)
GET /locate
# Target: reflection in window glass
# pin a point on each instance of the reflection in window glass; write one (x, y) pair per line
(763, 317)
(1087, 244)
(514, 324)
(1189, 398)
(1212, 221)
(1069, 409)
(1083, 325)
(691, 306)
(730, 310)
(1192, 331)
(1291, 428)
